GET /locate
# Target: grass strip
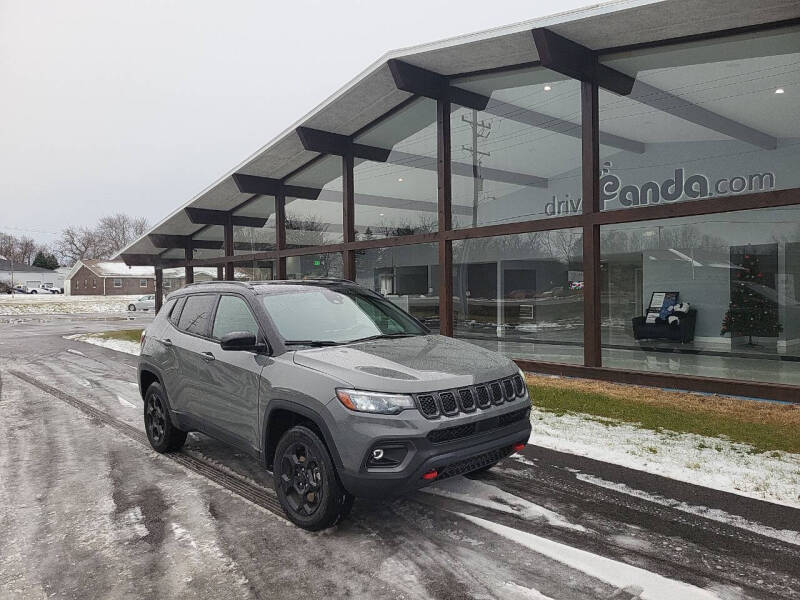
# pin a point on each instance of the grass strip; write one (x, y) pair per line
(127, 335)
(764, 426)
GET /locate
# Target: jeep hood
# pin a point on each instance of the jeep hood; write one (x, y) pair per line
(407, 365)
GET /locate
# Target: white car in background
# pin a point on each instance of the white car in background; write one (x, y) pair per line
(143, 303)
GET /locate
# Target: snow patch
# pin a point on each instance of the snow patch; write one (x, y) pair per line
(119, 345)
(133, 520)
(60, 304)
(489, 496)
(525, 593)
(625, 577)
(711, 462)
(714, 514)
(73, 351)
(125, 402)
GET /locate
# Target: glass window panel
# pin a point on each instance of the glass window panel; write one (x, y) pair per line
(215, 233)
(196, 314)
(247, 240)
(313, 266)
(255, 270)
(317, 221)
(399, 196)
(714, 118)
(408, 276)
(233, 315)
(520, 158)
(522, 294)
(739, 271)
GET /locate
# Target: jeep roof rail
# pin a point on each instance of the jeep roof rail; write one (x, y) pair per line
(246, 284)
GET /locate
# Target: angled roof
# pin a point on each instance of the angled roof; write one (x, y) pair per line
(372, 93)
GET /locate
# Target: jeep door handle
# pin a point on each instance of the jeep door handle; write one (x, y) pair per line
(208, 357)
(166, 342)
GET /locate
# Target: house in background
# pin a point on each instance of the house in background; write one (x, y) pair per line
(100, 277)
(32, 277)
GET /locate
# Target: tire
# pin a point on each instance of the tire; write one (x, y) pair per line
(306, 481)
(33, 292)
(162, 434)
(131, 308)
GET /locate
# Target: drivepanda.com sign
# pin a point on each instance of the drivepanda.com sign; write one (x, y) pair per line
(678, 187)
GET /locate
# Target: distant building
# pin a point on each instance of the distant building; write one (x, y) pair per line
(33, 277)
(101, 277)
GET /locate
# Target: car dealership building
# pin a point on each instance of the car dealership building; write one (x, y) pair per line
(539, 189)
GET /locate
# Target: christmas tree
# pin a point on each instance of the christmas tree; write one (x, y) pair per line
(750, 313)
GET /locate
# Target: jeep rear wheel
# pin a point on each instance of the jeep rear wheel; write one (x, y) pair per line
(162, 434)
(306, 482)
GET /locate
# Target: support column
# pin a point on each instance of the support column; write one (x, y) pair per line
(592, 275)
(159, 289)
(189, 270)
(228, 246)
(280, 233)
(220, 273)
(348, 216)
(445, 211)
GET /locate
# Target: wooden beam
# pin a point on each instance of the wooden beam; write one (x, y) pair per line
(592, 273)
(159, 289)
(573, 60)
(160, 240)
(252, 184)
(207, 216)
(408, 74)
(150, 260)
(189, 269)
(229, 251)
(445, 199)
(348, 216)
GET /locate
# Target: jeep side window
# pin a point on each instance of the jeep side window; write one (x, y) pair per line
(233, 314)
(176, 311)
(196, 314)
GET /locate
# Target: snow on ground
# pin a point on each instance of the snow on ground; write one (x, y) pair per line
(118, 345)
(489, 496)
(60, 304)
(711, 462)
(629, 580)
(715, 514)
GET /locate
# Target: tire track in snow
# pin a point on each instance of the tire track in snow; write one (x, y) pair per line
(259, 496)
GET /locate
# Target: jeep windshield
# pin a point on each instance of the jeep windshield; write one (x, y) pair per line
(319, 316)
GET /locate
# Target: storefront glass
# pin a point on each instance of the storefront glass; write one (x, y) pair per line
(739, 273)
(712, 118)
(398, 196)
(311, 266)
(519, 158)
(316, 221)
(248, 240)
(405, 275)
(521, 295)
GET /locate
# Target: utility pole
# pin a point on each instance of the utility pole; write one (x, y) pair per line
(480, 130)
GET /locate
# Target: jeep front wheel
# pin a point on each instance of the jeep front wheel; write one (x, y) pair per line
(306, 482)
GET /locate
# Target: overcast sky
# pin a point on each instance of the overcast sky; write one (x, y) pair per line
(135, 106)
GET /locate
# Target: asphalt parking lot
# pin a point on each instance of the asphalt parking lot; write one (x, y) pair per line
(88, 510)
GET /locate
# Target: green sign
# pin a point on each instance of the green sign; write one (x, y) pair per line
(317, 263)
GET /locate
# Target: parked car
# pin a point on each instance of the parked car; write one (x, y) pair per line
(143, 303)
(20, 289)
(42, 290)
(339, 392)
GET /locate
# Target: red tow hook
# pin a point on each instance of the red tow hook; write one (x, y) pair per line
(518, 446)
(431, 475)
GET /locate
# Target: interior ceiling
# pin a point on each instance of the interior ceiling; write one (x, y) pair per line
(611, 24)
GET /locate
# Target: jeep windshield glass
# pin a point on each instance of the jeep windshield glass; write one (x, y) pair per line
(309, 315)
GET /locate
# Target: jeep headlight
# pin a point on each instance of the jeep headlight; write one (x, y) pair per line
(524, 384)
(375, 402)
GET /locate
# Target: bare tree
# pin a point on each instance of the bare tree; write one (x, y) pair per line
(78, 243)
(26, 250)
(8, 246)
(114, 232)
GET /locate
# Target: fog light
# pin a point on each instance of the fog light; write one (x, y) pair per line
(431, 475)
(386, 455)
(377, 454)
(518, 446)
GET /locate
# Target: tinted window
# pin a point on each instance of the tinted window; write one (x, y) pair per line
(176, 312)
(196, 314)
(233, 314)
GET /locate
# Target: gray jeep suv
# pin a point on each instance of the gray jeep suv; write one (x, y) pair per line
(334, 388)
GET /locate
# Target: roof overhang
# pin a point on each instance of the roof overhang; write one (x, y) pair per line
(374, 92)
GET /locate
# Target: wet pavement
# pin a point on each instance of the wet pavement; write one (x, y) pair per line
(88, 510)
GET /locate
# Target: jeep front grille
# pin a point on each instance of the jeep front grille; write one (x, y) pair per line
(448, 434)
(465, 400)
(474, 463)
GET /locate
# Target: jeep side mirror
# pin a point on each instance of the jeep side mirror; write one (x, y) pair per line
(239, 340)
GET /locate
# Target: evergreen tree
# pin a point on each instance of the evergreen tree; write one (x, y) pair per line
(52, 262)
(40, 260)
(750, 313)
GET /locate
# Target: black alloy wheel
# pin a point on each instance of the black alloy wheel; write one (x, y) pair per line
(162, 434)
(306, 482)
(155, 419)
(301, 479)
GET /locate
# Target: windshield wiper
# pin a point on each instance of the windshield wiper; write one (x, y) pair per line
(314, 343)
(381, 336)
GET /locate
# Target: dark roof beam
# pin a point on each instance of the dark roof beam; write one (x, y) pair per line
(573, 60)
(160, 240)
(207, 216)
